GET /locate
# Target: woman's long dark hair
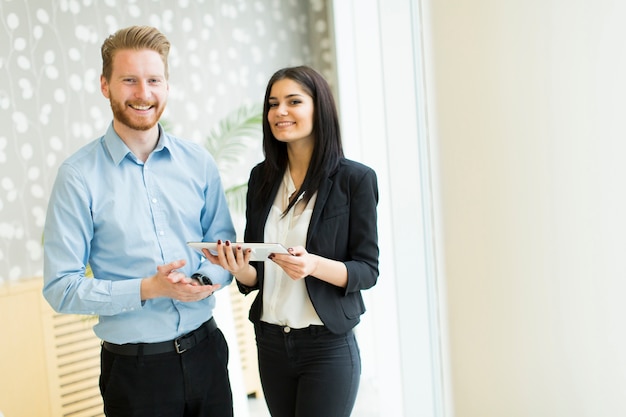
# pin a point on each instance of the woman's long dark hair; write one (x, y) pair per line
(327, 148)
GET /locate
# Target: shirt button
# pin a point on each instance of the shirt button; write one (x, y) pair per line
(154, 200)
(161, 233)
(286, 329)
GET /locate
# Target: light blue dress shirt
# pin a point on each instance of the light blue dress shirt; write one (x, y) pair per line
(125, 217)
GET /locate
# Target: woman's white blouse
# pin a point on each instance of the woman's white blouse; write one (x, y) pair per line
(285, 301)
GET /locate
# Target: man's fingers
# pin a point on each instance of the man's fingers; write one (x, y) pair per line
(170, 267)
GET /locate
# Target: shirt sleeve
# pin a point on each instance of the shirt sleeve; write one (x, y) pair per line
(67, 235)
(216, 224)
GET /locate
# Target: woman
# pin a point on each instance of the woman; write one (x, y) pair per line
(308, 197)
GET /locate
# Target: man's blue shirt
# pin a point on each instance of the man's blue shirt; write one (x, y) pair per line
(123, 218)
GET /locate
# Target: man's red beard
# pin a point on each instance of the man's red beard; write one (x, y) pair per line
(136, 122)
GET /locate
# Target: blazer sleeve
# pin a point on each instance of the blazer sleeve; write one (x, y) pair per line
(362, 262)
(344, 228)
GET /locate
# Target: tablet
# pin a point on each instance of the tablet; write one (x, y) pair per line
(260, 251)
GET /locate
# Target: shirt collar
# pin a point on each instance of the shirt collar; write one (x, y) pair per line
(118, 149)
(290, 187)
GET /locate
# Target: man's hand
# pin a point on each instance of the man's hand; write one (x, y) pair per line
(171, 283)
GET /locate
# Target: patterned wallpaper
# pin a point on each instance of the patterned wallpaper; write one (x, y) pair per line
(223, 52)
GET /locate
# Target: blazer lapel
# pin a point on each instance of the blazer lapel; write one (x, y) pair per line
(265, 212)
(322, 196)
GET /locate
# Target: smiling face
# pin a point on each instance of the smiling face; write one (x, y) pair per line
(137, 90)
(290, 114)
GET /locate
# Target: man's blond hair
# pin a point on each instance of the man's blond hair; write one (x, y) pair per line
(134, 37)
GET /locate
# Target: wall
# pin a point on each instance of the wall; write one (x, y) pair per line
(527, 110)
(222, 55)
(524, 104)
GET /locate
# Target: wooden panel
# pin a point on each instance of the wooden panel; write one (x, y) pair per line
(23, 386)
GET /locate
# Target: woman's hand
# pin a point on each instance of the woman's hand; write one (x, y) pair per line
(298, 264)
(232, 258)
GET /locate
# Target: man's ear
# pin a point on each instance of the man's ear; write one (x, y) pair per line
(104, 86)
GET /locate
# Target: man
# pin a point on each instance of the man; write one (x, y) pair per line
(125, 205)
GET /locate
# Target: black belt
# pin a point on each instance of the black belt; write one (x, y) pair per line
(178, 345)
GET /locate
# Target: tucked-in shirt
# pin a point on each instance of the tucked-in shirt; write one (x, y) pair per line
(122, 217)
(285, 301)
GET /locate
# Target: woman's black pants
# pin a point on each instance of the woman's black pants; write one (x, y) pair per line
(308, 372)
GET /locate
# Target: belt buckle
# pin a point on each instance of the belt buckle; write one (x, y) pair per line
(177, 346)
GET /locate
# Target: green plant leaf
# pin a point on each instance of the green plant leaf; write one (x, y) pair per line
(229, 139)
(236, 197)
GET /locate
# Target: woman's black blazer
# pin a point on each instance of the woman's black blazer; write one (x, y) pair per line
(343, 227)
